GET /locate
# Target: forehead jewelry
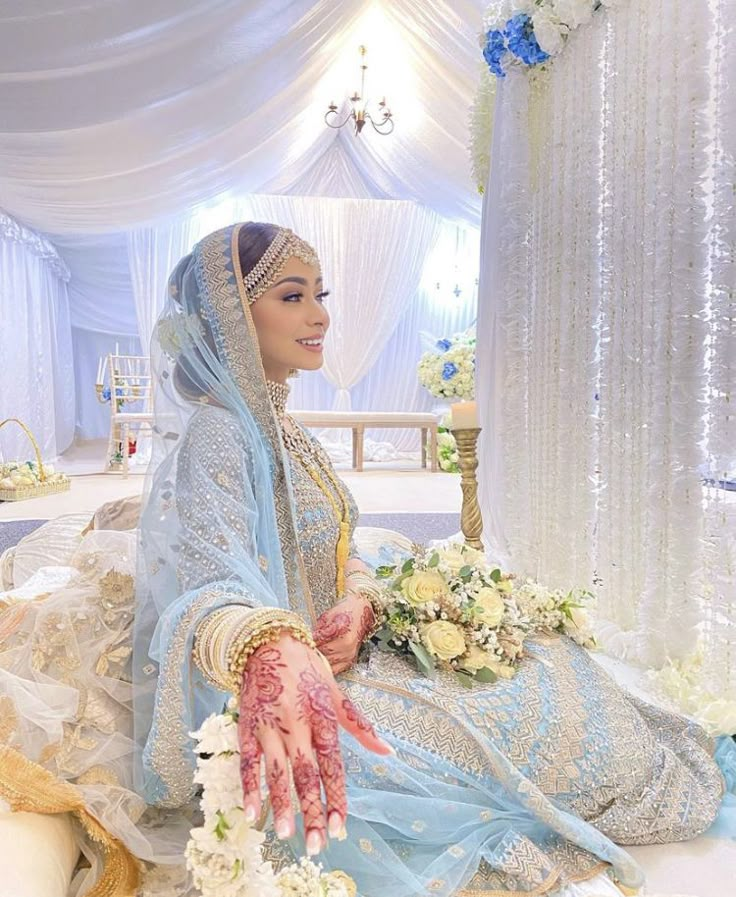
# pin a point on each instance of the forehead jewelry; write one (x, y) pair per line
(264, 274)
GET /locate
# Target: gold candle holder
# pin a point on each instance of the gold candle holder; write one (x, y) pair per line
(471, 521)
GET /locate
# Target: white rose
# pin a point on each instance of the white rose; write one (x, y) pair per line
(490, 607)
(443, 639)
(423, 586)
(547, 30)
(453, 558)
(718, 717)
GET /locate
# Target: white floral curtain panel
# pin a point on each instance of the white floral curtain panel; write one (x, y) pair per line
(607, 309)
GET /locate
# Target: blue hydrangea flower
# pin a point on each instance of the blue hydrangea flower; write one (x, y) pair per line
(494, 51)
(449, 370)
(106, 393)
(522, 41)
(444, 344)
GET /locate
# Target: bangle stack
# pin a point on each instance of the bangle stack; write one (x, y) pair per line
(367, 587)
(226, 639)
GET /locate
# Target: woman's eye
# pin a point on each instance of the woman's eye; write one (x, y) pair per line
(320, 297)
(292, 297)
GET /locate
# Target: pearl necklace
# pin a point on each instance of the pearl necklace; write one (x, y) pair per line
(278, 393)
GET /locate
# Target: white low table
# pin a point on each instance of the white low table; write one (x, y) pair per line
(359, 421)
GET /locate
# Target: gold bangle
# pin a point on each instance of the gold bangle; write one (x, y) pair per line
(368, 589)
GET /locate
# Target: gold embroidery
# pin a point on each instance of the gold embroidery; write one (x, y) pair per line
(8, 719)
(99, 775)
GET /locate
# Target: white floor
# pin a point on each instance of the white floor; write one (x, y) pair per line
(398, 487)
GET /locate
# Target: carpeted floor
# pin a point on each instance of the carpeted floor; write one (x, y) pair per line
(419, 528)
(12, 531)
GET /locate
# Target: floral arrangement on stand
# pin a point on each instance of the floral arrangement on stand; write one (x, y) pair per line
(524, 34)
(224, 854)
(449, 609)
(448, 370)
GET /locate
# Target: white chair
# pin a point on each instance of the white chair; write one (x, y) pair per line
(131, 401)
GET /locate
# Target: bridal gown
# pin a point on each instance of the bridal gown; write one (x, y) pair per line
(519, 787)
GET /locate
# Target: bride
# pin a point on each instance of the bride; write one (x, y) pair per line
(249, 581)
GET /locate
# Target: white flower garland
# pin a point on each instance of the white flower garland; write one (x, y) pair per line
(224, 854)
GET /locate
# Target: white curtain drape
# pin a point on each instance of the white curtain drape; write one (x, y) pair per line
(152, 254)
(607, 310)
(116, 115)
(35, 344)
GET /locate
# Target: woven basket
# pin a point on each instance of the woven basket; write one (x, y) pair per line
(60, 483)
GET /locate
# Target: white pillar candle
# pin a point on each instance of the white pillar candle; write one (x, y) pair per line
(464, 416)
(117, 348)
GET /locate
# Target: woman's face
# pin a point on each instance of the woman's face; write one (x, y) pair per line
(291, 321)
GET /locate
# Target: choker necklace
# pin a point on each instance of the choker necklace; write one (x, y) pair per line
(278, 393)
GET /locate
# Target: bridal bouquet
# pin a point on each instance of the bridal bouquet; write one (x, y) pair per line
(224, 853)
(449, 609)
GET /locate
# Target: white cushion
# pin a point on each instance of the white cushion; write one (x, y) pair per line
(38, 854)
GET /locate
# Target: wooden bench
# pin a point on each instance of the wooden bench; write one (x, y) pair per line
(359, 421)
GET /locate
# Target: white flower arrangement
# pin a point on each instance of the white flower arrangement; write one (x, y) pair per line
(681, 681)
(224, 854)
(448, 371)
(449, 609)
(523, 34)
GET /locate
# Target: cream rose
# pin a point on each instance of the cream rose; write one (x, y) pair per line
(490, 606)
(502, 670)
(423, 586)
(453, 559)
(475, 659)
(444, 640)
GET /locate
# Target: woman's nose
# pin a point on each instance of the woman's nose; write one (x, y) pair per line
(319, 314)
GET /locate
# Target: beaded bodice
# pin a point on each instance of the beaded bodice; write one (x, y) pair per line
(318, 525)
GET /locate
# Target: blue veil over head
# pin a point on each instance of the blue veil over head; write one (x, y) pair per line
(218, 523)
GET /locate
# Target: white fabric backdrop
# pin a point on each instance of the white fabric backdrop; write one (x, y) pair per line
(37, 376)
(133, 112)
(607, 304)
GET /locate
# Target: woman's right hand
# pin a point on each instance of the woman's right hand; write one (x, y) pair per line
(291, 710)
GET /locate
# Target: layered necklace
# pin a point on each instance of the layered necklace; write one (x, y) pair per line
(297, 443)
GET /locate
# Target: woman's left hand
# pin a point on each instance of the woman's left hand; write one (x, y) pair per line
(342, 629)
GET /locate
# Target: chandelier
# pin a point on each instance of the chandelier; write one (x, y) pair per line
(359, 113)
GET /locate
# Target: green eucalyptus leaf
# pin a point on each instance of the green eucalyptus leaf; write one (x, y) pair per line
(496, 575)
(465, 679)
(486, 675)
(424, 659)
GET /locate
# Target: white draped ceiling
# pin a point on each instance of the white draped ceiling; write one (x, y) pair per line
(113, 114)
(126, 130)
